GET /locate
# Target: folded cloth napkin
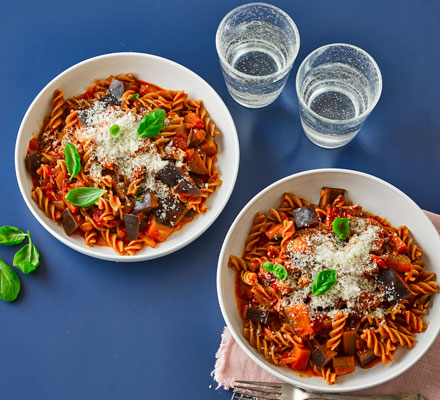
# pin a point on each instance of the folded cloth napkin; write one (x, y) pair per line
(424, 377)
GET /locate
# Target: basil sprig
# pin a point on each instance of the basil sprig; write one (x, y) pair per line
(324, 281)
(134, 96)
(341, 227)
(73, 160)
(276, 269)
(9, 282)
(84, 196)
(152, 123)
(10, 235)
(27, 259)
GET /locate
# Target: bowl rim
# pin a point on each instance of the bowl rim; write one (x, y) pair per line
(241, 341)
(159, 252)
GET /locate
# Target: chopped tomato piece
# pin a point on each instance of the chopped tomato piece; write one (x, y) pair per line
(34, 145)
(192, 120)
(97, 217)
(145, 89)
(274, 231)
(299, 318)
(180, 141)
(333, 212)
(379, 261)
(399, 262)
(298, 245)
(397, 242)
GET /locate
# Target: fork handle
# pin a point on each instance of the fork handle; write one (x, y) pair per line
(404, 396)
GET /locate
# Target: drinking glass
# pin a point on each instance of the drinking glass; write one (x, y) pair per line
(257, 44)
(338, 85)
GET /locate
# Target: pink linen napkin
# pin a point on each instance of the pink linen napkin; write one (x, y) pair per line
(424, 377)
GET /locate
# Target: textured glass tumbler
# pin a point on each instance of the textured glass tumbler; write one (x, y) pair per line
(338, 86)
(257, 44)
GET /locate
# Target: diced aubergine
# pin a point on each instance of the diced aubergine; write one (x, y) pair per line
(195, 162)
(132, 223)
(365, 357)
(343, 365)
(321, 355)
(187, 188)
(146, 203)
(305, 217)
(68, 222)
(33, 162)
(209, 146)
(349, 342)
(257, 315)
(395, 288)
(117, 89)
(170, 211)
(329, 195)
(170, 175)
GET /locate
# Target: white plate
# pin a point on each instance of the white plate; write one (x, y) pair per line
(168, 75)
(374, 195)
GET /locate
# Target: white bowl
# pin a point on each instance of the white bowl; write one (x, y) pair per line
(166, 74)
(374, 195)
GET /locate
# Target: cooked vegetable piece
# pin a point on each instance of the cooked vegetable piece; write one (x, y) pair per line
(170, 175)
(195, 162)
(117, 89)
(298, 358)
(400, 262)
(396, 288)
(185, 187)
(343, 365)
(321, 356)
(197, 136)
(397, 242)
(158, 231)
(68, 221)
(132, 223)
(146, 203)
(329, 195)
(209, 146)
(349, 342)
(257, 315)
(192, 120)
(305, 217)
(299, 318)
(33, 162)
(379, 261)
(274, 231)
(170, 211)
(365, 356)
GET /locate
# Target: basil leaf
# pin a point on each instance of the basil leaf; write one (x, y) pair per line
(341, 227)
(279, 272)
(9, 282)
(268, 266)
(84, 196)
(324, 281)
(9, 235)
(134, 96)
(27, 258)
(152, 123)
(73, 160)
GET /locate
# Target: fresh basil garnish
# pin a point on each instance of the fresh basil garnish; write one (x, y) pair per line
(152, 123)
(9, 282)
(341, 227)
(134, 96)
(324, 281)
(276, 270)
(9, 235)
(73, 160)
(27, 258)
(84, 196)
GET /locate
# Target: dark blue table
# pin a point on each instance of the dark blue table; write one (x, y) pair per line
(89, 329)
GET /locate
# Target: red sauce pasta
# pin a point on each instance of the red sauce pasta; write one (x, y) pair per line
(149, 154)
(323, 288)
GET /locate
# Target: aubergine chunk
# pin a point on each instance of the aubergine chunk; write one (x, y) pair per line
(146, 203)
(365, 357)
(395, 288)
(68, 222)
(132, 222)
(349, 342)
(117, 89)
(170, 175)
(187, 188)
(305, 217)
(257, 315)
(170, 211)
(321, 356)
(329, 195)
(33, 162)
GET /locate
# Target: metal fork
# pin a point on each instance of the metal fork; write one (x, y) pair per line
(283, 391)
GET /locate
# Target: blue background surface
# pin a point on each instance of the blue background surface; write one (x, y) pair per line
(90, 329)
